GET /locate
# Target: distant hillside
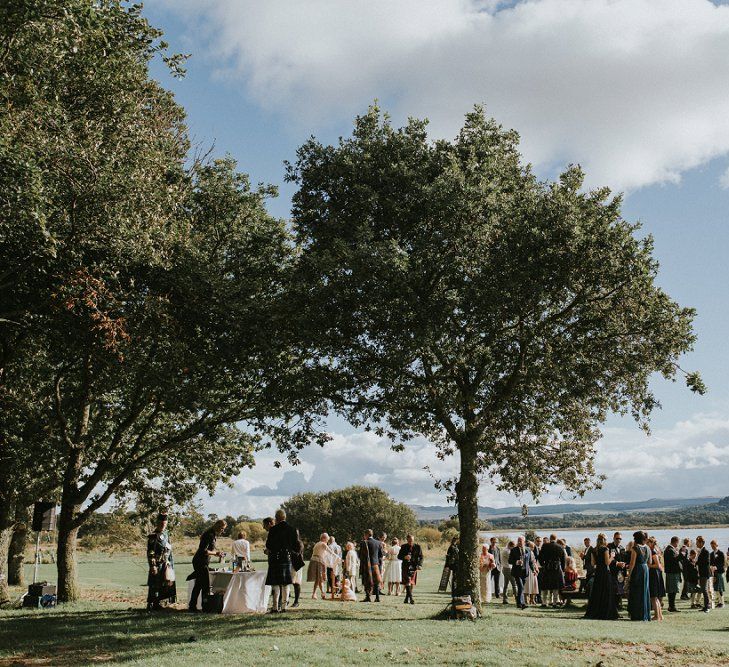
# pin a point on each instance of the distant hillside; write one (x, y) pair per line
(707, 514)
(438, 513)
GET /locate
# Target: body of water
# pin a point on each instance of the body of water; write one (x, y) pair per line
(575, 536)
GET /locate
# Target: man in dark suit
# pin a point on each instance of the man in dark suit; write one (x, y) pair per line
(520, 560)
(496, 572)
(535, 550)
(282, 541)
(451, 562)
(672, 563)
(704, 565)
(683, 553)
(618, 566)
(586, 556)
(552, 563)
(370, 556)
(717, 560)
(201, 563)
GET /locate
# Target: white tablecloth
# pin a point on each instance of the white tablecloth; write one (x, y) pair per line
(245, 592)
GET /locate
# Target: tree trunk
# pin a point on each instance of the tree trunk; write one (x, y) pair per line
(467, 580)
(6, 532)
(18, 543)
(68, 588)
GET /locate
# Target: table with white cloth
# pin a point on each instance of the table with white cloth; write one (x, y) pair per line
(243, 592)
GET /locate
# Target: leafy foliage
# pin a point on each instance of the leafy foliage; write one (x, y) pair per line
(347, 513)
(451, 294)
(144, 292)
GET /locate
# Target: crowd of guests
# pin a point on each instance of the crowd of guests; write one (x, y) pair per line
(334, 571)
(646, 574)
(545, 572)
(542, 572)
(373, 560)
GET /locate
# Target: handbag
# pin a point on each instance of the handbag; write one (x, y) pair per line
(169, 574)
(297, 560)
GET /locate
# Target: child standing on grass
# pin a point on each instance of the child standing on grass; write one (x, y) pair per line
(570, 576)
(691, 572)
(656, 587)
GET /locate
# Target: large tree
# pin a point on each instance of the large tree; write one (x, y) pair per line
(150, 285)
(158, 368)
(450, 293)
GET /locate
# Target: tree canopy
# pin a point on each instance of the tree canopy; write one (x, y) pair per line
(450, 293)
(144, 285)
(347, 513)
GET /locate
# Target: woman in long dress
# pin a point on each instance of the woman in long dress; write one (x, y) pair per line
(531, 583)
(656, 585)
(485, 565)
(603, 602)
(639, 605)
(322, 557)
(393, 570)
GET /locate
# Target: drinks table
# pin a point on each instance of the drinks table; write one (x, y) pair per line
(243, 592)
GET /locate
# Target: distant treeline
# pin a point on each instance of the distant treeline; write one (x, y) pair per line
(713, 514)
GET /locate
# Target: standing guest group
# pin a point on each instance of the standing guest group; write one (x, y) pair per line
(545, 572)
(335, 572)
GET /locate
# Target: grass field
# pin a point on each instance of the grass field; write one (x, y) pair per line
(110, 626)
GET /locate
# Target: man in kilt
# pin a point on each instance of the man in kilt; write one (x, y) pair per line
(672, 563)
(282, 541)
(161, 577)
(370, 556)
(411, 556)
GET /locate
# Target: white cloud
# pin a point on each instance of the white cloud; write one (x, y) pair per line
(634, 90)
(724, 179)
(688, 460)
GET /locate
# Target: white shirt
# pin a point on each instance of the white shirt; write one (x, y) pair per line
(242, 548)
(323, 553)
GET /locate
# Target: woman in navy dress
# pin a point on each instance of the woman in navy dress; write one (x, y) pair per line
(603, 601)
(638, 594)
(656, 585)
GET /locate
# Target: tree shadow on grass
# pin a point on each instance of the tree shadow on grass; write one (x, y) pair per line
(59, 637)
(73, 638)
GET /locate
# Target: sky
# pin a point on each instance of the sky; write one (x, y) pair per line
(635, 91)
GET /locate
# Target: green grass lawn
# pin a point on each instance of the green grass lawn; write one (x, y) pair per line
(111, 627)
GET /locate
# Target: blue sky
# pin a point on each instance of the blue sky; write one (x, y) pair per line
(636, 91)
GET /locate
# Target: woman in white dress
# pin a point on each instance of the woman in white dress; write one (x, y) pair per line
(531, 583)
(351, 565)
(485, 565)
(393, 568)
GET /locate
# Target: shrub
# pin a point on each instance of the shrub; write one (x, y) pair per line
(347, 513)
(429, 536)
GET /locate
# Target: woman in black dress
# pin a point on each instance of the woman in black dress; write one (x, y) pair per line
(603, 602)
(656, 585)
